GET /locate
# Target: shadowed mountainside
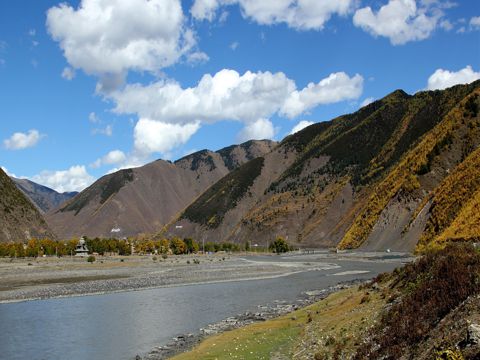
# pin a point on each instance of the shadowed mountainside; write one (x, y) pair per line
(44, 198)
(19, 218)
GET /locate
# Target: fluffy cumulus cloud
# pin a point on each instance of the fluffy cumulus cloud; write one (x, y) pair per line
(300, 126)
(297, 14)
(442, 79)
(152, 136)
(110, 37)
(334, 88)
(74, 179)
(165, 107)
(19, 140)
(400, 20)
(257, 130)
(112, 158)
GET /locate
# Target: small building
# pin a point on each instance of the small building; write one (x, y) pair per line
(81, 248)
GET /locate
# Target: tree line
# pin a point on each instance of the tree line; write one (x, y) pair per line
(142, 245)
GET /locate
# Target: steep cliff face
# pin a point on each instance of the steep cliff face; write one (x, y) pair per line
(144, 199)
(366, 179)
(19, 218)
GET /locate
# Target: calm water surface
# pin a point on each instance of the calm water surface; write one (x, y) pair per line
(119, 326)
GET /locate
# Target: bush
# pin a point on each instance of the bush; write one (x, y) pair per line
(91, 259)
(429, 289)
(164, 256)
(279, 246)
(154, 258)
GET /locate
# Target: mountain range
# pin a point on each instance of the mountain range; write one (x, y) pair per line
(400, 173)
(44, 198)
(144, 199)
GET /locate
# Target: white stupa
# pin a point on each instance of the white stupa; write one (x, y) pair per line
(81, 248)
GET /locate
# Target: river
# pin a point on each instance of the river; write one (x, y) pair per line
(120, 325)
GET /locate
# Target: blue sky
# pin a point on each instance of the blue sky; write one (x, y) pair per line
(91, 86)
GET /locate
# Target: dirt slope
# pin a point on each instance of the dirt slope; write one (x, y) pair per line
(144, 199)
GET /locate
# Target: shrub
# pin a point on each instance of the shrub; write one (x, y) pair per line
(154, 258)
(91, 259)
(429, 289)
(279, 246)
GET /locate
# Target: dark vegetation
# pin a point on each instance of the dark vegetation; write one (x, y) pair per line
(228, 158)
(210, 208)
(365, 144)
(279, 246)
(199, 158)
(18, 214)
(12, 198)
(106, 186)
(422, 293)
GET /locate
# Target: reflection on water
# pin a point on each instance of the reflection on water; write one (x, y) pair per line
(121, 325)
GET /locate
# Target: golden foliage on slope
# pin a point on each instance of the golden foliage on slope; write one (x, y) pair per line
(403, 175)
(467, 224)
(456, 204)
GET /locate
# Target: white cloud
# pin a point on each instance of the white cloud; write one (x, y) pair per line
(400, 20)
(301, 125)
(68, 73)
(442, 79)
(19, 141)
(74, 179)
(227, 95)
(107, 131)
(223, 17)
(475, 23)
(335, 88)
(446, 25)
(164, 106)
(367, 101)
(105, 37)
(297, 14)
(113, 157)
(93, 118)
(155, 136)
(197, 57)
(257, 130)
(234, 45)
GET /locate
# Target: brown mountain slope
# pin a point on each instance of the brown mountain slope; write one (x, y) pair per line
(44, 198)
(357, 179)
(144, 199)
(19, 219)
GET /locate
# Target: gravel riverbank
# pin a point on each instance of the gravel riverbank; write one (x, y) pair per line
(44, 278)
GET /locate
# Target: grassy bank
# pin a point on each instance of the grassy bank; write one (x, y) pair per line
(421, 311)
(340, 319)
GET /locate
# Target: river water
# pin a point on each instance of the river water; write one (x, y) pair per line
(118, 326)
